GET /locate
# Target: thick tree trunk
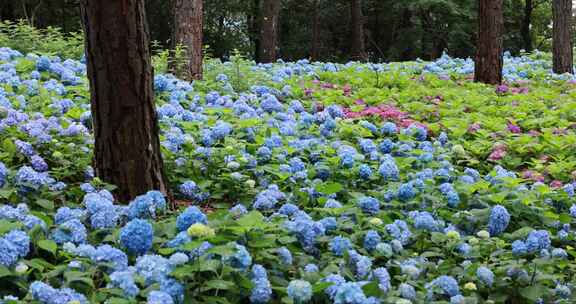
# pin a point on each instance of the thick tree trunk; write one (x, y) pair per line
(127, 147)
(358, 47)
(269, 30)
(188, 33)
(315, 48)
(254, 28)
(561, 36)
(526, 22)
(489, 60)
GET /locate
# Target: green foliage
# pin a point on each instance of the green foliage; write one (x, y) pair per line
(51, 41)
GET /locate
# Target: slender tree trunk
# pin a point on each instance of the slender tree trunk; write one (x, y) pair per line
(526, 22)
(315, 49)
(127, 147)
(269, 30)
(489, 60)
(561, 36)
(188, 33)
(358, 47)
(405, 25)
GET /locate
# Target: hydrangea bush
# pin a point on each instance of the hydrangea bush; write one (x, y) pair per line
(302, 183)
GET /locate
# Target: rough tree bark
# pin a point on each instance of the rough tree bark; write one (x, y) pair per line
(358, 47)
(561, 36)
(526, 22)
(187, 32)
(254, 27)
(489, 59)
(315, 47)
(269, 30)
(127, 147)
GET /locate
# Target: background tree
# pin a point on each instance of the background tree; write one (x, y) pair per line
(269, 30)
(127, 147)
(358, 44)
(188, 29)
(489, 61)
(562, 40)
(394, 30)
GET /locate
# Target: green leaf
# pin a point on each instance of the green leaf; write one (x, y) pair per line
(46, 204)
(219, 284)
(48, 245)
(565, 218)
(319, 287)
(372, 290)
(329, 188)
(4, 272)
(7, 226)
(253, 219)
(534, 292)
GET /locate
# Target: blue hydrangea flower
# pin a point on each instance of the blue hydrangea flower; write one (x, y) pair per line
(46, 294)
(389, 128)
(306, 231)
(369, 205)
(71, 231)
(339, 245)
(399, 231)
(388, 169)
(310, 268)
(299, 291)
(498, 221)
(329, 223)
(241, 259)
(362, 265)
(371, 240)
(262, 290)
(13, 246)
(425, 221)
(386, 146)
(159, 297)
(519, 248)
(447, 284)
(285, 255)
(148, 205)
(364, 171)
(153, 268)
(407, 291)
(190, 216)
(38, 163)
(559, 253)
(137, 236)
(562, 291)
(268, 198)
(124, 280)
(238, 210)
(383, 278)
(3, 174)
(288, 209)
(173, 288)
(65, 214)
(336, 281)
(350, 293)
(538, 240)
(457, 299)
(485, 275)
(406, 192)
(332, 203)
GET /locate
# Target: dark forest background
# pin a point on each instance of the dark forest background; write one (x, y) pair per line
(393, 30)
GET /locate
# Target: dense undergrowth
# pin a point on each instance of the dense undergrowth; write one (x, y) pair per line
(308, 183)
